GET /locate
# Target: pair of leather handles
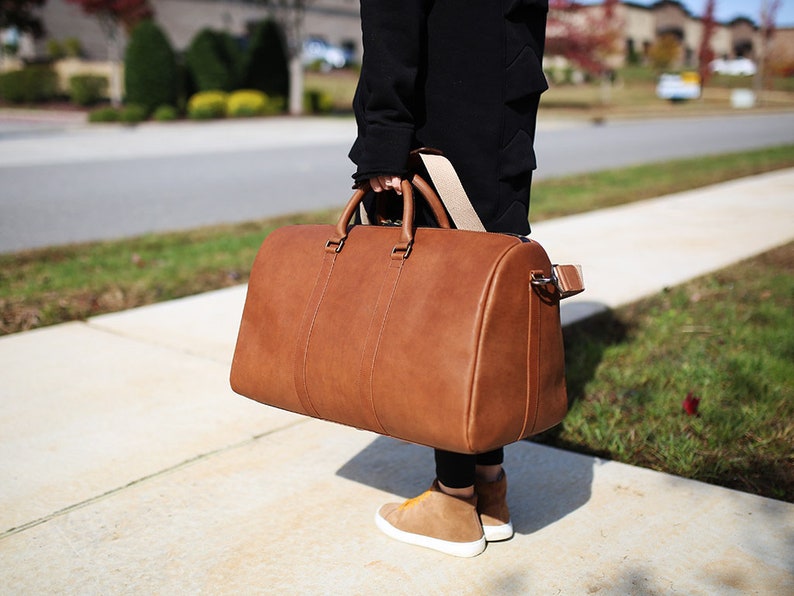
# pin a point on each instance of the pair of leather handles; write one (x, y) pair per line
(451, 195)
(409, 210)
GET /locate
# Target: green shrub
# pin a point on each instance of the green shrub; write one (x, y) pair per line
(29, 85)
(133, 113)
(276, 105)
(246, 102)
(206, 105)
(266, 66)
(150, 70)
(55, 49)
(165, 113)
(316, 101)
(86, 90)
(214, 62)
(72, 47)
(106, 114)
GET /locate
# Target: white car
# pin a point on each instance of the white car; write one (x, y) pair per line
(738, 67)
(678, 87)
(316, 49)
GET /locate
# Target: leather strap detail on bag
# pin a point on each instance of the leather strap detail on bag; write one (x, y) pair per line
(306, 327)
(566, 278)
(533, 360)
(374, 334)
(569, 280)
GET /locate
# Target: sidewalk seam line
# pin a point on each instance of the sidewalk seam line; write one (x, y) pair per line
(97, 326)
(183, 464)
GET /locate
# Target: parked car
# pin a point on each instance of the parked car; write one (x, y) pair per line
(679, 87)
(318, 50)
(738, 67)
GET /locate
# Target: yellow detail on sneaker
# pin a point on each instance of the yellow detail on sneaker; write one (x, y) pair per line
(415, 501)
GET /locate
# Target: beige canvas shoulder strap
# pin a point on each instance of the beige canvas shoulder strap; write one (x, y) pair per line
(451, 192)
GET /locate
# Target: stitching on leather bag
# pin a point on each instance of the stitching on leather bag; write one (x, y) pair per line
(533, 341)
(302, 345)
(366, 392)
(380, 336)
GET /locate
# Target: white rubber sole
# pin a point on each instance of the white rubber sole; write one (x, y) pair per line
(498, 533)
(456, 549)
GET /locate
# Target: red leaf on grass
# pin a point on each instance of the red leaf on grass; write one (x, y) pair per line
(691, 403)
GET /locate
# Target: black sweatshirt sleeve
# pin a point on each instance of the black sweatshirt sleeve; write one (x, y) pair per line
(385, 102)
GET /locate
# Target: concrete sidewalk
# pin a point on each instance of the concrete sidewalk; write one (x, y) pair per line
(127, 465)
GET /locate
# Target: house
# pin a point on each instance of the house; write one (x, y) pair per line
(337, 21)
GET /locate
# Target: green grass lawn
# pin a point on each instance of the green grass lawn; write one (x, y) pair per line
(726, 338)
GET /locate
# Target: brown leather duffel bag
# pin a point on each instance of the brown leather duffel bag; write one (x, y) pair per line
(444, 337)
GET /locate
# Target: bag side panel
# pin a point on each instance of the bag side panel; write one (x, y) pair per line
(499, 401)
(520, 382)
(282, 278)
(425, 363)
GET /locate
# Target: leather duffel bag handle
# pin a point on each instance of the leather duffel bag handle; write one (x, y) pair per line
(337, 241)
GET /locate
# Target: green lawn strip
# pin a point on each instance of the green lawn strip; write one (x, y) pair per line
(728, 338)
(43, 287)
(575, 194)
(53, 285)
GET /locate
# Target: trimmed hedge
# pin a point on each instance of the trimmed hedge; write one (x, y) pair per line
(267, 68)
(105, 114)
(150, 69)
(29, 85)
(133, 113)
(246, 102)
(165, 113)
(86, 90)
(214, 62)
(316, 101)
(206, 105)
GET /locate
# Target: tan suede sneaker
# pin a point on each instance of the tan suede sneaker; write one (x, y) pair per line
(492, 507)
(435, 520)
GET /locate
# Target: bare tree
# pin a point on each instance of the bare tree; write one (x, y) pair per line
(113, 15)
(768, 19)
(289, 14)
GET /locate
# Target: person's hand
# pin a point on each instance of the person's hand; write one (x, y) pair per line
(381, 183)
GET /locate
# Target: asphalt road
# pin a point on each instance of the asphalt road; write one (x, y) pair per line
(77, 184)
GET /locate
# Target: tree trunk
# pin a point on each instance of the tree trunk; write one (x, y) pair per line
(295, 85)
(114, 57)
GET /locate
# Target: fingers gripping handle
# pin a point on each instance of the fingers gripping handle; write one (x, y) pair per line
(337, 241)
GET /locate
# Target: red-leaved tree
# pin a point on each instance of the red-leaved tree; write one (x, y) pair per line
(586, 36)
(706, 52)
(113, 16)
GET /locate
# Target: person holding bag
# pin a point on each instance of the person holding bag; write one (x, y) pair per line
(464, 78)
